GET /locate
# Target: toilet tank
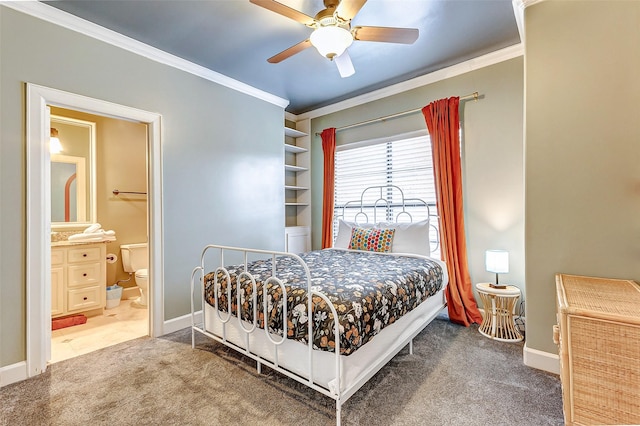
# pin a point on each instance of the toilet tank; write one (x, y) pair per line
(134, 256)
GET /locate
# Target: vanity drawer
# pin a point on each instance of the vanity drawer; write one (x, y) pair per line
(84, 298)
(57, 257)
(83, 274)
(87, 254)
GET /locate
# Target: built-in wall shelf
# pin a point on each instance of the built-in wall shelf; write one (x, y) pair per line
(292, 168)
(295, 188)
(297, 184)
(294, 133)
(294, 148)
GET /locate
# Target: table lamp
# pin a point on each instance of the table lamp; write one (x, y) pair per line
(497, 261)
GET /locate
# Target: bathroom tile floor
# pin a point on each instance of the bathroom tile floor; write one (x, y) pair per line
(125, 322)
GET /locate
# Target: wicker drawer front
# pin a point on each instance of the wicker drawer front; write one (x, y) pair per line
(599, 348)
(604, 361)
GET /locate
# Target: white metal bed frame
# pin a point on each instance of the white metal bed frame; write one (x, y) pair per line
(340, 392)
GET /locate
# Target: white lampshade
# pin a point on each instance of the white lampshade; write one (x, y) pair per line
(497, 261)
(55, 147)
(331, 41)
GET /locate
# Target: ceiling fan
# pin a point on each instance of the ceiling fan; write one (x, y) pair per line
(333, 34)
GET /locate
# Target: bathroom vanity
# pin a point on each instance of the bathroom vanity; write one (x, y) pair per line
(78, 277)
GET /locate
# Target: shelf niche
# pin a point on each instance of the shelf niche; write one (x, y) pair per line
(297, 186)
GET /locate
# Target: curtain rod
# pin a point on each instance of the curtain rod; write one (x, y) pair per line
(473, 96)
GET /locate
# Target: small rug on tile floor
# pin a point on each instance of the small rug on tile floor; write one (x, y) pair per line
(68, 321)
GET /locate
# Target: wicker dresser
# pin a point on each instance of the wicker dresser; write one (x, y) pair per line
(599, 337)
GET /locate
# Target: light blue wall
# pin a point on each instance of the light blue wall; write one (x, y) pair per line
(222, 155)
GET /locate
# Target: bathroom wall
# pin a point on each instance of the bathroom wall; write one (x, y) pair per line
(121, 163)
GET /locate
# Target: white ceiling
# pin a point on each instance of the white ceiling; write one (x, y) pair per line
(235, 38)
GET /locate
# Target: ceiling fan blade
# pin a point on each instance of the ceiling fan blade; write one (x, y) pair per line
(344, 64)
(283, 10)
(386, 34)
(347, 9)
(289, 52)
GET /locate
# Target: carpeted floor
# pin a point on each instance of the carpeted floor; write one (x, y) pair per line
(455, 377)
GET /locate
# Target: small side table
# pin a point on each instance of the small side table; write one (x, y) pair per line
(499, 305)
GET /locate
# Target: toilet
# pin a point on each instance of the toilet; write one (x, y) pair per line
(135, 260)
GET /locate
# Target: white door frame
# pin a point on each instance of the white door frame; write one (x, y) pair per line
(38, 255)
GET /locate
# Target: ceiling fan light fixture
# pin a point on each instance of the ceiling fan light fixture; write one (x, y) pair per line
(331, 41)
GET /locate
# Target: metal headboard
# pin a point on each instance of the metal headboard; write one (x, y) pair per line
(374, 201)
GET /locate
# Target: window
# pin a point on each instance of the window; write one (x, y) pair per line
(405, 163)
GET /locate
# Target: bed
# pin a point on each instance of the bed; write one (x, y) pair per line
(378, 281)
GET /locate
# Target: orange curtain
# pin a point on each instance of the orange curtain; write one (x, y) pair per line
(443, 122)
(329, 149)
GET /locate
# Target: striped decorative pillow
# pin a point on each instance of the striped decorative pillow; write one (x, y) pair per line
(371, 239)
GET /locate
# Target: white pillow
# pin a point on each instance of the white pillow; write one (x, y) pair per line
(410, 237)
(344, 232)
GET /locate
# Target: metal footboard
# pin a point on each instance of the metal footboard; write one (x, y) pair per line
(226, 319)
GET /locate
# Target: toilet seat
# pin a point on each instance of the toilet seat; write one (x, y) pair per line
(142, 273)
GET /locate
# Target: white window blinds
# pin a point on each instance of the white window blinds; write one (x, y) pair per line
(406, 163)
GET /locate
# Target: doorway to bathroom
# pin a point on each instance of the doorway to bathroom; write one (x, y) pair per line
(38, 247)
(105, 200)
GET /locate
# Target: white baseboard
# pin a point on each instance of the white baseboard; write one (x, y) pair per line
(541, 360)
(179, 323)
(13, 373)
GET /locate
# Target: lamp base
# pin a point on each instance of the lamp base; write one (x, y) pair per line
(498, 286)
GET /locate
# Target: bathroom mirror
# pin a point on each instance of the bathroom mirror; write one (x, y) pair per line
(73, 200)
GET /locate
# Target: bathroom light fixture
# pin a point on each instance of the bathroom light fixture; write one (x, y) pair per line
(497, 261)
(331, 41)
(55, 147)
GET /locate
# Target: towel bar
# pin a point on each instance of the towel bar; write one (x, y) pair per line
(116, 192)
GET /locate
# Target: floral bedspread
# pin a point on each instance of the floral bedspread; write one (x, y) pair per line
(369, 291)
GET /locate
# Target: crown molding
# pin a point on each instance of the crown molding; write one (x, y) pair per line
(518, 12)
(527, 3)
(464, 67)
(58, 17)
